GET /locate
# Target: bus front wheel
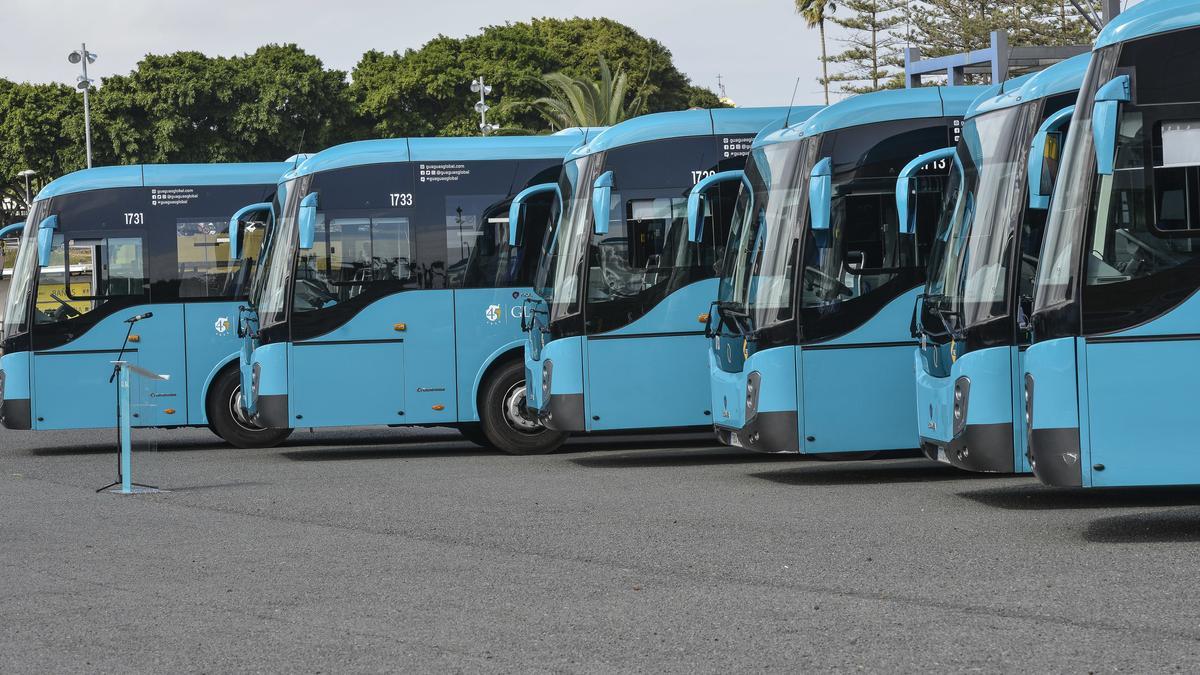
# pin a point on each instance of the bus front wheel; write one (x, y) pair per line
(505, 420)
(226, 420)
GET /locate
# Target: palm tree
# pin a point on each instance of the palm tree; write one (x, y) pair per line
(814, 13)
(579, 102)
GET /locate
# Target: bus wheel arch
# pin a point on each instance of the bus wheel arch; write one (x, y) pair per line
(222, 397)
(500, 401)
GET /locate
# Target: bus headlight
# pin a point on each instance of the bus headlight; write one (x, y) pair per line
(547, 373)
(255, 373)
(962, 395)
(753, 385)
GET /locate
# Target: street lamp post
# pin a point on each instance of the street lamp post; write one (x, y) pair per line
(479, 87)
(27, 174)
(83, 57)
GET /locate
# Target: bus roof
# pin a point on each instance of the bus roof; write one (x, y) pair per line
(880, 106)
(443, 149)
(1060, 78)
(683, 123)
(152, 175)
(1149, 18)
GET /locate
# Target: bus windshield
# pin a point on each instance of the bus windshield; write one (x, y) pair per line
(1072, 205)
(970, 269)
(16, 308)
(560, 268)
(269, 292)
(758, 272)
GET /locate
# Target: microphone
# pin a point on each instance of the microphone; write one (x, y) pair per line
(139, 317)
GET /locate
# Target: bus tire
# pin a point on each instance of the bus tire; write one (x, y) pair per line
(225, 418)
(504, 419)
(473, 432)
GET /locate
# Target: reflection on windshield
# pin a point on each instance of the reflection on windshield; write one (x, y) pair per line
(559, 261)
(969, 275)
(16, 307)
(758, 274)
(270, 291)
(1071, 205)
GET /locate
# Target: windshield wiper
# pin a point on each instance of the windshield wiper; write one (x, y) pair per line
(736, 318)
(941, 314)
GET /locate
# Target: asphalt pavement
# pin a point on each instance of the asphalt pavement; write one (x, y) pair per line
(415, 551)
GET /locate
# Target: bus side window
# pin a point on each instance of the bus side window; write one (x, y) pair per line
(85, 273)
(351, 256)
(202, 250)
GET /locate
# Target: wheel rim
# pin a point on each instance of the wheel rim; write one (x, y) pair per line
(238, 414)
(516, 415)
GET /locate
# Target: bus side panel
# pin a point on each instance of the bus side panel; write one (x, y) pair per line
(934, 404)
(660, 381)
(858, 399)
(71, 387)
(651, 372)
(1141, 404)
(15, 403)
(357, 384)
(211, 335)
(485, 320)
(1054, 437)
(429, 348)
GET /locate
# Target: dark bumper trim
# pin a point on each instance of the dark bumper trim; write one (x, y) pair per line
(983, 448)
(773, 432)
(16, 414)
(1056, 457)
(563, 412)
(273, 412)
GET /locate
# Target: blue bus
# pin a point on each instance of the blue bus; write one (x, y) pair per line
(613, 342)
(973, 319)
(107, 245)
(389, 293)
(810, 345)
(1116, 316)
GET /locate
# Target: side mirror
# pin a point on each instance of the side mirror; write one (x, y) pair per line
(515, 210)
(904, 184)
(308, 221)
(1044, 154)
(1106, 121)
(46, 231)
(820, 194)
(602, 201)
(235, 227)
(696, 199)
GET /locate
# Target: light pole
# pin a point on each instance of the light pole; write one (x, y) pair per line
(27, 174)
(83, 57)
(478, 86)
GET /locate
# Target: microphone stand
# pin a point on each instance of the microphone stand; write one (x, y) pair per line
(115, 371)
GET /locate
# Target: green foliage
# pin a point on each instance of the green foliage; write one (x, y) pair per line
(942, 27)
(580, 102)
(426, 91)
(872, 57)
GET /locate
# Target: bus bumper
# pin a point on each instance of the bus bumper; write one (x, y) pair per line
(16, 410)
(765, 419)
(268, 386)
(1051, 399)
(981, 438)
(554, 384)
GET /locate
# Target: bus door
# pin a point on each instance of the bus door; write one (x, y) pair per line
(650, 371)
(95, 282)
(349, 296)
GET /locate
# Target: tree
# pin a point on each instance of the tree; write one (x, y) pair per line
(423, 92)
(942, 27)
(872, 50)
(41, 128)
(815, 12)
(581, 102)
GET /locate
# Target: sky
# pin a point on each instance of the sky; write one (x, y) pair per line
(706, 37)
